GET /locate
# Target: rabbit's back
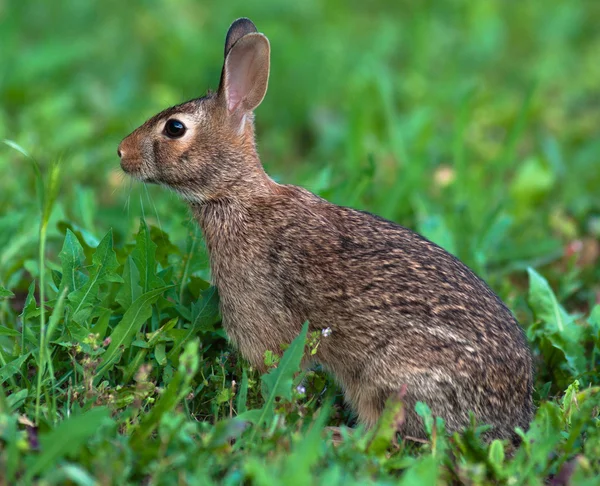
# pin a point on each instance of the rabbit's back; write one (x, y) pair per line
(402, 311)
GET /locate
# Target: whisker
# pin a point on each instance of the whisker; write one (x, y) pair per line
(121, 177)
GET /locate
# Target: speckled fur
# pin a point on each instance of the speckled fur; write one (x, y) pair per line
(402, 311)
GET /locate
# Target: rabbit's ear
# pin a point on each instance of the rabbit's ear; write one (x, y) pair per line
(237, 30)
(245, 74)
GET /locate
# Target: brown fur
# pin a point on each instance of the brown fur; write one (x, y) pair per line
(402, 311)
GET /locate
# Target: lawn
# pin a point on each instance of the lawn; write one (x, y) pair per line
(476, 124)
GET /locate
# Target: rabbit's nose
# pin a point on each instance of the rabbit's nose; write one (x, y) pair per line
(120, 152)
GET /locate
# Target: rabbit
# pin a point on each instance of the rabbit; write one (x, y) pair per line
(402, 313)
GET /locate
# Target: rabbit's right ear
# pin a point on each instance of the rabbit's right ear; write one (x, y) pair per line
(245, 73)
(237, 30)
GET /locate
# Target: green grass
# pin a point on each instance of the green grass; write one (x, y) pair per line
(474, 123)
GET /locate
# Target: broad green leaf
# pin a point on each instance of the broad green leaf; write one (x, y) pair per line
(279, 381)
(131, 289)
(387, 426)
(57, 315)
(88, 240)
(424, 412)
(164, 247)
(77, 331)
(558, 326)
(12, 367)
(161, 334)
(205, 311)
(124, 332)
(104, 265)
(242, 395)
(67, 438)
(584, 405)
(5, 292)
(204, 315)
(424, 472)
(496, 455)
(569, 401)
(179, 338)
(544, 303)
(56, 277)
(30, 309)
(541, 438)
(144, 256)
(17, 399)
(71, 257)
(160, 355)
(5, 331)
(101, 324)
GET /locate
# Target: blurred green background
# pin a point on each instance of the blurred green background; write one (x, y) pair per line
(475, 123)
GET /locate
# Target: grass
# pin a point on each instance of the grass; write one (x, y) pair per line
(474, 123)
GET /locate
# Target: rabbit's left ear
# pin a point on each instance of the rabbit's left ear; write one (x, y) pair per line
(237, 30)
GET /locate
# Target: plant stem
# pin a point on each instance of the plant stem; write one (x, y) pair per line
(186, 267)
(42, 355)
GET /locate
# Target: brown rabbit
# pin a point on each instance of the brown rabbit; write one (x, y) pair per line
(402, 311)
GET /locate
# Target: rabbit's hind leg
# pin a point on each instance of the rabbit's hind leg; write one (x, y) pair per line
(443, 399)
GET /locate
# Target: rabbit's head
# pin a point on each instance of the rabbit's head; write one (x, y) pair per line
(205, 147)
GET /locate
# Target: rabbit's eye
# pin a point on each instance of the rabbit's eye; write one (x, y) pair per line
(174, 128)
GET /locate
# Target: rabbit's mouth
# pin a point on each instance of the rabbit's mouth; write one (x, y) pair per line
(131, 166)
(135, 169)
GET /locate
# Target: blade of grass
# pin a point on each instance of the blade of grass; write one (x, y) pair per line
(50, 194)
